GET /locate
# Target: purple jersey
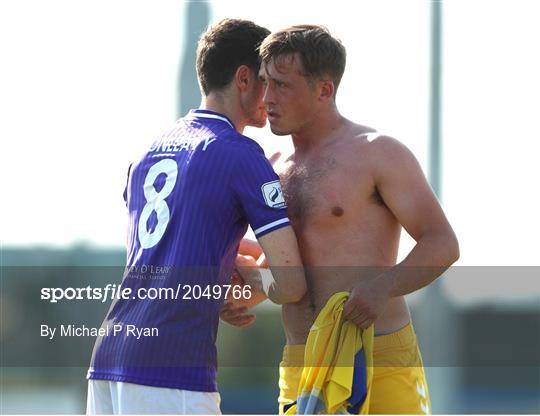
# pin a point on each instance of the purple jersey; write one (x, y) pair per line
(190, 199)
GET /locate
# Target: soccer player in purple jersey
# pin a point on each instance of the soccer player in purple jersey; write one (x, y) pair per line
(190, 199)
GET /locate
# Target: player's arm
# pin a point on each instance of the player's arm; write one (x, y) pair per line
(403, 187)
(285, 281)
(250, 254)
(261, 201)
(246, 264)
(235, 311)
(405, 190)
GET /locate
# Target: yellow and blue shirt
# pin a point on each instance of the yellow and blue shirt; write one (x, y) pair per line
(338, 364)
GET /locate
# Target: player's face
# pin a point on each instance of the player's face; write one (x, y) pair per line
(252, 103)
(290, 100)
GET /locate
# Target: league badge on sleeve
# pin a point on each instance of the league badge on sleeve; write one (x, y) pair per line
(273, 195)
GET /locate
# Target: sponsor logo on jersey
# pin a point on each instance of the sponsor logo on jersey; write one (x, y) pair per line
(273, 195)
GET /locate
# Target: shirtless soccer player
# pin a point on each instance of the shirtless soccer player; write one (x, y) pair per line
(349, 191)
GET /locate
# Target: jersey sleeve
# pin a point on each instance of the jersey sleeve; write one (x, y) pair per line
(258, 191)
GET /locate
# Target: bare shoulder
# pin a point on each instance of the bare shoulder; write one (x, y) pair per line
(357, 136)
(376, 144)
(385, 156)
(387, 150)
(385, 145)
(393, 163)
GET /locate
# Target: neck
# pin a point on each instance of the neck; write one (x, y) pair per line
(226, 105)
(321, 130)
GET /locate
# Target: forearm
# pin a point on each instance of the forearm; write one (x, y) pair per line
(429, 258)
(276, 292)
(257, 293)
(264, 286)
(286, 283)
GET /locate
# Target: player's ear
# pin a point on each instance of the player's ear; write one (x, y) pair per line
(242, 77)
(326, 90)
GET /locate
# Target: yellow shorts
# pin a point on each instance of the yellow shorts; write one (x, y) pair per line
(399, 384)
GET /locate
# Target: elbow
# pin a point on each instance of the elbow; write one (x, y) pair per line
(294, 293)
(299, 292)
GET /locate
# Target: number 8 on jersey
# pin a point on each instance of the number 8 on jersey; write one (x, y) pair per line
(155, 201)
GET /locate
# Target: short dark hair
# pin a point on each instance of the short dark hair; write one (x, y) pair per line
(321, 54)
(223, 48)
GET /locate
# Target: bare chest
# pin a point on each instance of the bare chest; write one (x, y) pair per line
(325, 189)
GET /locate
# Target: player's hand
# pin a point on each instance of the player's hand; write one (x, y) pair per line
(236, 280)
(248, 270)
(234, 310)
(262, 262)
(236, 316)
(244, 261)
(366, 303)
(250, 248)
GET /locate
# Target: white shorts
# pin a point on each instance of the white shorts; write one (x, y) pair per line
(119, 398)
